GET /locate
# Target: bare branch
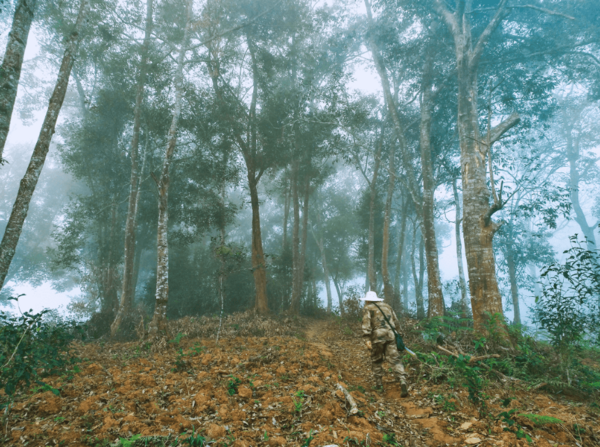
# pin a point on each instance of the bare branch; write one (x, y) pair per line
(547, 11)
(497, 131)
(448, 17)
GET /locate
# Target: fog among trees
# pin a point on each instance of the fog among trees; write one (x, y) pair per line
(285, 156)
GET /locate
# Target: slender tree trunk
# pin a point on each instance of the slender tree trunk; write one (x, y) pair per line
(371, 274)
(326, 278)
(573, 155)
(10, 72)
(459, 253)
(436, 306)
(127, 291)
(514, 289)
(38, 158)
(286, 212)
(388, 288)
(405, 286)
(339, 294)
(297, 293)
(401, 238)
(418, 276)
(295, 239)
(158, 325)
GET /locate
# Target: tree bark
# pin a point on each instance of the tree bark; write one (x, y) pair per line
(258, 257)
(514, 289)
(326, 279)
(10, 72)
(459, 252)
(158, 325)
(388, 288)
(371, 275)
(401, 238)
(127, 291)
(436, 305)
(478, 228)
(29, 181)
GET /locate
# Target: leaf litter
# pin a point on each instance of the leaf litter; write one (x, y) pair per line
(269, 382)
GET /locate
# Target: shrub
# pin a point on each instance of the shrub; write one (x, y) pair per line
(31, 347)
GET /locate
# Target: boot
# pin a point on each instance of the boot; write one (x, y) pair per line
(403, 387)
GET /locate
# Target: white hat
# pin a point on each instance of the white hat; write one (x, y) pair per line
(371, 296)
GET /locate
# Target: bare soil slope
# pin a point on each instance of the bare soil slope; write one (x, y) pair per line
(276, 387)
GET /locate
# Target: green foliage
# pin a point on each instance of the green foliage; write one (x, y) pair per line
(232, 385)
(390, 439)
(512, 425)
(538, 419)
(308, 440)
(569, 306)
(31, 348)
(473, 381)
(129, 442)
(298, 400)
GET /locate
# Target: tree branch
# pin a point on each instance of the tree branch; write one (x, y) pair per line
(448, 17)
(547, 11)
(487, 32)
(497, 131)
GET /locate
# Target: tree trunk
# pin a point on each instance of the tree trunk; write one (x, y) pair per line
(326, 279)
(38, 158)
(371, 275)
(401, 238)
(436, 306)
(10, 72)
(388, 288)
(405, 286)
(478, 227)
(158, 325)
(295, 239)
(127, 291)
(339, 294)
(258, 257)
(418, 277)
(286, 213)
(573, 155)
(514, 289)
(297, 293)
(459, 253)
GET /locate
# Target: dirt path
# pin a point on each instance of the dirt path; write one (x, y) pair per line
(349, 355)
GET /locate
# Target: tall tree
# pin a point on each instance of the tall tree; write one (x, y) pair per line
(127, 291)
(38, 158)
(478, 226)
(158, 323)
(10, 71)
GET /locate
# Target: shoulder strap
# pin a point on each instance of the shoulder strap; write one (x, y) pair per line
(386, 318)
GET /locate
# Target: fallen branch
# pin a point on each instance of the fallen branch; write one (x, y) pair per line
(349, 399)
(471, 359)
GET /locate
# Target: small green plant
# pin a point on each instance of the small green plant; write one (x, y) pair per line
(512, 425)
(59, 419)
(473, 381)
(265, 436)
(129, 442)
(177, 339)
(381, 414)
(538, 419)
(298, 400)
(194, 440)
(390, 439)
(232, 385)
(308, 440)
(447, 405)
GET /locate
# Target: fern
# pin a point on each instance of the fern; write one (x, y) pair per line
(538, 419)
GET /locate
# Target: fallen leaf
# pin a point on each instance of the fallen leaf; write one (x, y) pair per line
(466, 426)
(473, 440)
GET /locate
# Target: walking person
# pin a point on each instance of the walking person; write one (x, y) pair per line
(380, 339)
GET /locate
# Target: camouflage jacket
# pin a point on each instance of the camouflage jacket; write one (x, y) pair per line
(374, 325)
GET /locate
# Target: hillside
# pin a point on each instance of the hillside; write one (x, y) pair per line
(268, 383)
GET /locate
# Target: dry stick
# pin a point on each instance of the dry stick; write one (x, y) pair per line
(482, 357)
(350, 399)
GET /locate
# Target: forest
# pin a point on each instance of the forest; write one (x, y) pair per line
(216, 184)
